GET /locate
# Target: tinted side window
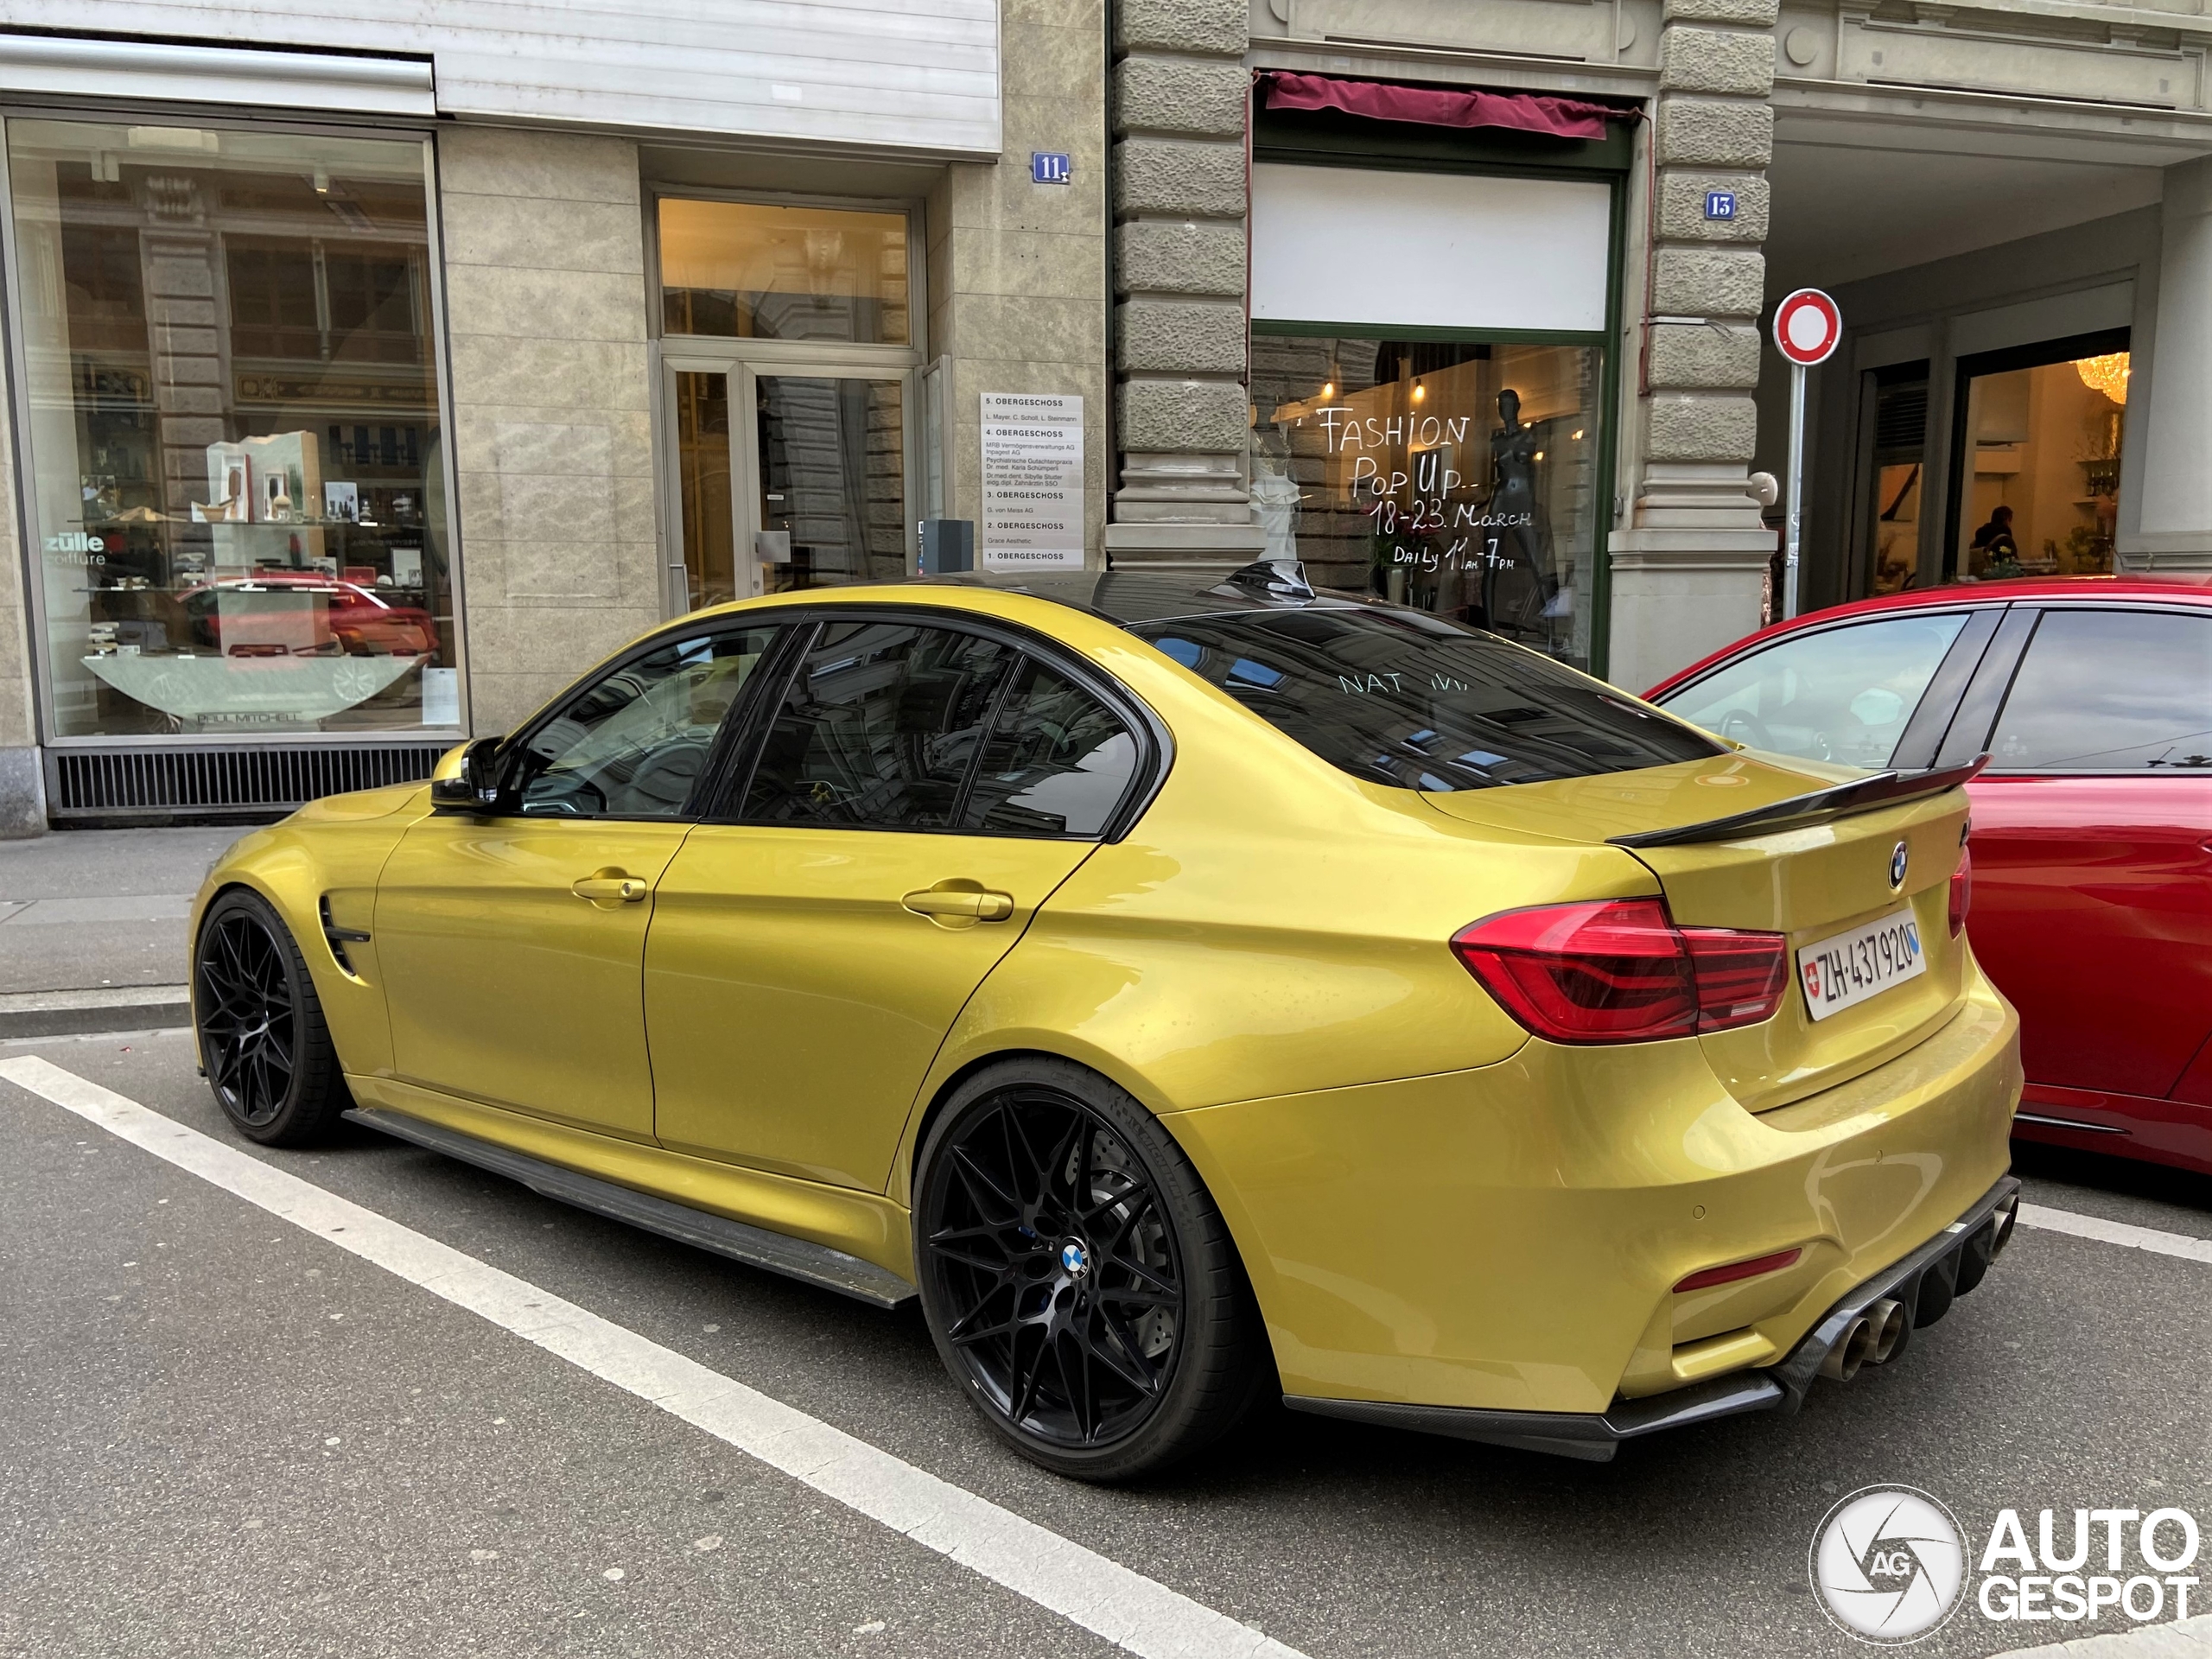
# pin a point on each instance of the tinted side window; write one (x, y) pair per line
(1399, 697)
(1058, 761)
(1843, 693)
(878, 727)
(2110, 691)
(633, 743)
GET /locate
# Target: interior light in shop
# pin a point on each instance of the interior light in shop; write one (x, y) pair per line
(1576, 435)
(1419, 391)
(323, 181)
(2107, 374)
(1540, 454)
(1328, 389)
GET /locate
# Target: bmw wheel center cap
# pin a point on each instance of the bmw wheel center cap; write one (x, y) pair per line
(1074, 1260)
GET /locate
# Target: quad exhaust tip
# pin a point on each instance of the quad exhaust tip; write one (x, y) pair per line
(1870, 1339)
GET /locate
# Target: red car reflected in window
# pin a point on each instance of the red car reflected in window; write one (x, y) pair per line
(2092, 829)
(290, 613)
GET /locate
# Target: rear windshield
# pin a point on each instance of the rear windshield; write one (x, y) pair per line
(1397, 698)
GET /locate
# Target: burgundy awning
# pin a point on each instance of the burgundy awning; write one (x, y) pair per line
(1436, 106)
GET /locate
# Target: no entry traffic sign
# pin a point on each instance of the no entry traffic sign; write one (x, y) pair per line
(1807, 327)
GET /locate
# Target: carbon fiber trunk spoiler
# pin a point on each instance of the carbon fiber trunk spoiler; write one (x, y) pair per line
(1822, 806)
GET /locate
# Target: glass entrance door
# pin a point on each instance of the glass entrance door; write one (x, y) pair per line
(778, 480)
(830, 473)
(704, 520)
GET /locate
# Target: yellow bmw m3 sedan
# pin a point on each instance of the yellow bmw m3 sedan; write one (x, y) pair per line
(1184, 988)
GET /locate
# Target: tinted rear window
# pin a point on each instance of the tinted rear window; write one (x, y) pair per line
(1416, 701)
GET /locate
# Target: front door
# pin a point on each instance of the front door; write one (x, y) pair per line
(783, 475)
(512, 941)
(919, 793)
(2093, 878)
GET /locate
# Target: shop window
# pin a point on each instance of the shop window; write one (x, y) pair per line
(231, 411)
(2039, 460)
(1458, 477)
(762, 270)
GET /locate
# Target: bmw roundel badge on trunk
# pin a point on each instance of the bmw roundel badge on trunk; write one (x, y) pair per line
(1897, 859)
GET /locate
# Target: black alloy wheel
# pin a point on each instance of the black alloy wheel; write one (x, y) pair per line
(263, 1039)
(1077, 1277)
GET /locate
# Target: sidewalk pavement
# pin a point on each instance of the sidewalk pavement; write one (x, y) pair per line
(92, 927)
(2191, 1638)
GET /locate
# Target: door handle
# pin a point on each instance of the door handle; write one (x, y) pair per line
(610, 888)
(959, 906)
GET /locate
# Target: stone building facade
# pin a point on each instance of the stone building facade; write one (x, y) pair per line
(1950, 171)
(398, 373)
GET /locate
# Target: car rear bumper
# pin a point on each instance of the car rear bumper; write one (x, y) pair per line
(1925, 1283)
(1511, 1239)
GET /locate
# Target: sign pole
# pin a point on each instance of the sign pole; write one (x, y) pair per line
(1807, 329)
(1792, 534)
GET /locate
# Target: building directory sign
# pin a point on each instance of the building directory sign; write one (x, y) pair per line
(1032, 482)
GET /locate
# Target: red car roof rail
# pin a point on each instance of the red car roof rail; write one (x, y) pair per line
(1822, 806)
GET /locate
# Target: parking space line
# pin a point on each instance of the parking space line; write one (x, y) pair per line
(1102, 1596)
(2116, 1232)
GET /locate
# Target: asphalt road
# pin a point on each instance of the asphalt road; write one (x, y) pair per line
(220, 1434)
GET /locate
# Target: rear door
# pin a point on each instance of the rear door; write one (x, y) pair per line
(918, 792)
(2093, 878)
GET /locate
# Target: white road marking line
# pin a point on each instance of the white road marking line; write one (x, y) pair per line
(2116, 1232)
(1123, 1606)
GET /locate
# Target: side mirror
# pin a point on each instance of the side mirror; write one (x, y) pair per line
(475, 788)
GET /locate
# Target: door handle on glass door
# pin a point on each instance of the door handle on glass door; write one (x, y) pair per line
(610, 888)
(959, 906)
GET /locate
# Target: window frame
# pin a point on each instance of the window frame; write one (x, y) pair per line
(865, 356)
(1324, 138)
(724, 787)
(1965, 371)
(774, 667)
(2043, 608)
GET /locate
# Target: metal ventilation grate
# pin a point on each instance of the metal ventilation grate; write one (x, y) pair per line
(1901, 420)
(184, 783)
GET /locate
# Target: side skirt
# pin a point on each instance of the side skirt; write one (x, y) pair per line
(794, 1258)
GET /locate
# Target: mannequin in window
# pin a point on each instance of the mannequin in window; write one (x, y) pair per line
(1274, 492)
(1515, 535)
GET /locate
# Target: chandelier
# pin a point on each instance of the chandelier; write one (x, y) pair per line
(2107, 374)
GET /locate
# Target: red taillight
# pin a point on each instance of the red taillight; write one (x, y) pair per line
(1735, 1271)
(1962, 891)
(1620, 971)
(1739, 976)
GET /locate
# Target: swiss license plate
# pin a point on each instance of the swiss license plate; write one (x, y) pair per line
(1848, 967)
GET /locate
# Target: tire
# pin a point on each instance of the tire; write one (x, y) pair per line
(1078, 1282)
(263, 1039)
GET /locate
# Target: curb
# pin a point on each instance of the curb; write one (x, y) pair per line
(76, 1013)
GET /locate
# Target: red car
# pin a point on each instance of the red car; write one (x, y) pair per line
(297, 613)
(2091, 826)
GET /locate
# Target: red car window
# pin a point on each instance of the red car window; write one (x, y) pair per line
(2110, 691)
(1842, 694)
